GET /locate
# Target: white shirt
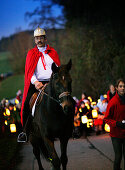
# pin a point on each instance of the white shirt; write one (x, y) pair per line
(40, 73)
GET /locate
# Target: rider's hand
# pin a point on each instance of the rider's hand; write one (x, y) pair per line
(38, 85)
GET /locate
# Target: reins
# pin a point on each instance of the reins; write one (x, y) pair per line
(63, 94)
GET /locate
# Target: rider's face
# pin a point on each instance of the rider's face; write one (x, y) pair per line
(40, 41)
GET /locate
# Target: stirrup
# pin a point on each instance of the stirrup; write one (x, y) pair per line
(22, 137)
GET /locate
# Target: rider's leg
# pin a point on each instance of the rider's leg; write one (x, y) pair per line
(27, 117)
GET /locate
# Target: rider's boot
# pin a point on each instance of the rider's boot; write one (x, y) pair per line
(24, 136)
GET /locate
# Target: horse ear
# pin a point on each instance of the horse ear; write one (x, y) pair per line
(54, 68)
(69, 65)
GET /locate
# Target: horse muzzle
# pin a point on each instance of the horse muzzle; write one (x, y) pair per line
(66, 102)
(67, 107)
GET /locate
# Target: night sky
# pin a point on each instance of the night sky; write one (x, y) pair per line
(12, 15)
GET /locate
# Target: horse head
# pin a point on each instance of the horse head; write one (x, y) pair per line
(61, 85)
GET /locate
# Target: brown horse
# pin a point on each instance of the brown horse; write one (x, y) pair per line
(54, 118)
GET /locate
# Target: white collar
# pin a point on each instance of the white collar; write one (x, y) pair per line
(42, 49)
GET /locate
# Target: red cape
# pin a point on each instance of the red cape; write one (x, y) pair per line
(31, 63)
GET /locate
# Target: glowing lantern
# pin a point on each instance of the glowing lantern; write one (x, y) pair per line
(84, 119)
(90, 99)
(89, 123)
(5, 122)
(94, 113)
(16, 101)
(80, 109)
(105, 96)
(12, 128)
(14, 108)
(88, 107)
(99, 100)
(107, 128)
(93, 103)
(7, 112)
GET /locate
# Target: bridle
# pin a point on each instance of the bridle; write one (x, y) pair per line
(63, 94)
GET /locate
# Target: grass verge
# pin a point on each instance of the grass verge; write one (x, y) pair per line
(10, 86)
(5, 66)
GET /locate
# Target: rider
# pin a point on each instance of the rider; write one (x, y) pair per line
(37, 73)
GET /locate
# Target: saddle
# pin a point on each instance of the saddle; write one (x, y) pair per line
(37, 96)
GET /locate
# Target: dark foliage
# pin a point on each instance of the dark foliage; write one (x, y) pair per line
(94, 11)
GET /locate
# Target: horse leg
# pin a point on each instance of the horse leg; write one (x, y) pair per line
(64, 158)
(53, 157)
(36, 152)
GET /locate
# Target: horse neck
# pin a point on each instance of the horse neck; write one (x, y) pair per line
(49, 90)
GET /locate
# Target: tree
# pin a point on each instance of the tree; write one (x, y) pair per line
(98, 58)
(93, 11)
(19, 47)
(46, 16)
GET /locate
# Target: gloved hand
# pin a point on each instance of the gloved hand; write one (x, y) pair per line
(120, 124)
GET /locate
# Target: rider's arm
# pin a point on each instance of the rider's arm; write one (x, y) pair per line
(33, 79)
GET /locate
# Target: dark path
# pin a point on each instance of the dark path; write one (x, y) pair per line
(96, 153)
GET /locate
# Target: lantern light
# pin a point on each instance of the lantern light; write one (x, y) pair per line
(90, 99)
(7, 112)
(87, 105)
(84, 119)
(89, 123)
(14, 108)
(94, 113)
(16, 101)
(80, 109)
(12, 128)
(6, 122)
(105, 96)
(107, 128)
(99, 100)
(93, 104)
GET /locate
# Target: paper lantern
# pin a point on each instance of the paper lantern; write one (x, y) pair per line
(80, 109)
(14, 108)
(6, 122)
(89, 123)
(87, 105)
(105, 96)
(7, 112)
(84, 119)
(90, 99)
(16, 101)
(12, 128)
(94, 113)
(93, 104)
(107, 128)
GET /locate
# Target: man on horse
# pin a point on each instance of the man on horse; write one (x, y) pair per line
(37, 73)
